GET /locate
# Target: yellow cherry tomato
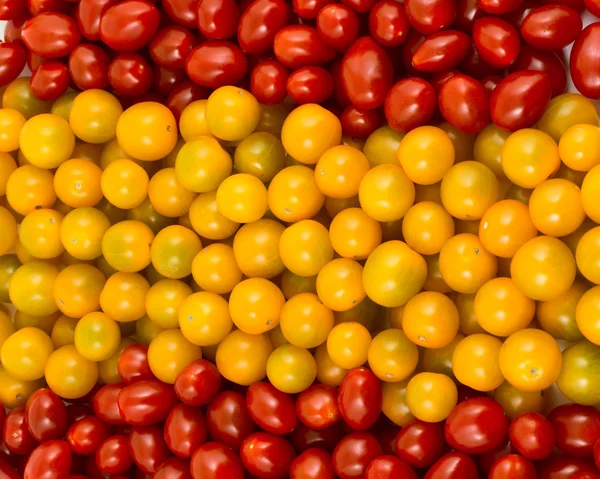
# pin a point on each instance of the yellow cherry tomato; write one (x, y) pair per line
(334, 206)
(18, 96)
(431, 397)
(202, 164)
(7, 327)
(64, 105)
(173, 250)
(29, 188)
(47, 141)
(348, 344)
(557, 316)
(39, 233)
(14, 392)
(77, 289)
(107, 369)
(293, 284)
(125, 184)
(392, 356)
(530, 360)
(94, 116)
(77, 183)
(8, 265)
(340, 170)
(515, 401)
(169, 352)
(579, 147)
(426, 227)
(114, 214)
(430, 319)
(81, 233)
(475, 362)
(31, 288)
(386, 193)
(63, 331)
(8, 223)
(339, 284)
(305, 248)
(232, 113)
(488, 147)
(167, 195)
(291, 369)
(587, 255)
(7, 166)
(305, 321)
(394, 405)
(69, 374)
(440, 360)
(192, 122)
(556, 207)
(465, 303)
(24, 353)
(589, 194)
(204, 318)
(293, 194)
(146, 330)
(261, 154)
(163, 301)
(354, 234)
(123, 297)
(565, 111)
(255, 305)
(381, 147)
(242, 357)
(328, 372)
(126, 246)
(587, 315)
(97, 336)
(45, 323)
(11, 123)
(206, 219)
(215, 269)
(242, 198)
(579, 374)
(272, 118)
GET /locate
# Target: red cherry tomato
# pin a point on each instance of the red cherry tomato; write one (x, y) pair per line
(148, 448)
(359, 6)
(487, 460)
(214, 460)
(51, 35)
(267, 456)
(218, 19)
(337, 25)
(113, 456)
(309, 85)
(84, 436)
(441, 51)
(89, 13)
(51, 460)
(133, 363)
(36, 7)
(420, 443)
(430, 16)
(388, 23)
(354, 453)
(309, 9)
(268, 82)
(593, 6)
(585, 61)
(408, 49)
(50, 81)
(46, 415)
(129, 25)
(12, 9)
(13, 29)
(217, 63)
(297, 46)
(360, 399)
(577, 428)
(304, 438)
(437, 81)
(476, 426)
(165, 82)
(474, 65)
(544, 61)
(532, 435)
(585, 475)
(146, 402)
(312, 464)
(559, 466)
(260, 23)
(389, 467)
(497, 41)
(183, 12)
(228, 419)
(410, 103)
(271, 409)
(173, 468)
(513, 466)
(16, 435)
(8, 472)
(359, 122)
(170, 47)
(183, 94)
(105, 404)
(317, 407)
(185, 430)
(551, 27)
(499, 7)
(464, 103)
(130, 74)
(12, 61)
(34, 61)
(520, 100)
(88, 67)
(198, 383)
(454, 465)
(366, 73)
(596, 452)
(467, 13)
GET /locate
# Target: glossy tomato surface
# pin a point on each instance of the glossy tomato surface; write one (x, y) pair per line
(228, 419)
(217, 63)
(148, 448)
(420, 443)
(464, 103)
(218, 19)
(46, 415)
(129, 25)
(146, 402)
(267, 456)
(577, 428)
(271, 409)
(441, 51)
(551, 27)
(354, 453)
(454, 465)
(51, 35)
(585, 61)
(360, 399)
(259, 24)
(185, 430)
(312, 464)
(51, 460)
(410, 103)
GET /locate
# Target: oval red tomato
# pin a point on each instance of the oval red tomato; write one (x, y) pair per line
(544, 61)
(198, 383)
(185, 430)
(551, 27)
(271, 409)
(267, 456)
(297, 46)
(51, 460)
(228, 419)
(464, 103)
(389, 467)
(183, 12)
(304, 438)
(85, 435)
(170, 46)
(560, 466)
(337, 25)
(130, 74)
(410, 103)
(360, 399)
(146, 402)
(46, 415)
(89, 13)
(317, 407)
(51, 35)
(165, 82)
(133, 363)
(532, 435)
(12, 9)
(499, 7)
(173, 468)
(512, 465)
(105, 404)
(214, 460)
(309, 85)
(259, 24)
(420, 443)
(359, 122)
(467, 13)
(148, 448)
(312, 464)
(454, 465)
(217, 63)
(354, 453)
(50, 80)
(12, 61)
(309, 8)
(585, 61)
(388, 23)
(577, 428)
(129, 25)
(113, 456)
(15, 434)
(88, 67)
(441, 51)
(430, 16)
(497, 41)
(7, 471)
(268, 82)
(218, 19)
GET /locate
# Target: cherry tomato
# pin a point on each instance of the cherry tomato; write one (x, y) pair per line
(467, 13)
(313, 463)
(13, 29)
(85, 435)
(36, 7)
(129, 25)
(271, 409)
(89, 13)
(11, 9)
(88, 67)
(173, 468)
(441, 51)
(130, 74)
(499, 7)
(7, 471)
(214, 460)
(359, 6)
(430, 16)
(388, 467)
(366, 73)
(198, 383)
(15, 434)
(388, 23)
(148, 448)
(497, 41)
(146, 402)
(551, 27)
(267, 456)
(317, 406)
(298, 46)
(12, 61)
(476, 426)
(165, 80)
(577, 428)
(105, 404)
(46, 415)
(51, 35)
(182, 95)
(410, 103)
(354, 453)
(532, 435)
(512, 465)
(359, 122)
(337, 25)
(259, 24)
(133, 364)
(170, 47)
(228, 419)
(185, 430)
(454, 465)
(268, 82)
(543, 61)
(51, 460)
(50, 81)
(360, 399)
(420, 443)
(520, 100)
(216, 63)
(305, 438)
(464, 103)
(563, 467)
(309, 85)
(218, 19)
(113, 455)
(183, 12)
(585, 61)
(475, 66)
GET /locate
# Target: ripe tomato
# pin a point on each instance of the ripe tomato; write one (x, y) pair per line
(584, 61)
(105, 404)
(560, 466)
(267, 456)
(271, 409)
(89, 13)
(218, 19)
(453, 465)
(544, 61)
(259, 24)
(85, 435)
(360, 399)
(12, 9)
(313, 463)
(532, 435)
(359, 122)
(198, 383)
(217, 63)
(8, 472)
(430, 16)
(317, 407)
(12, 61)
(214, 460)
(551, 27)
(46, 415)
(388, 23)
(51, 460)
(113, 455)
(129, 25)
(464, 103)
(337, 25)
(354, 453)
(496, 41)
(15, 433)
(88, 67)
(51, 35)
(268, 81)
(133, 364)
(173, 468)
(183, 12)
(228, 419)
(148, 448)
(130, 74)
(298, 46)
(146, 402)
(309, 85)
(50, 81)
(441, 51)
(420, 443)
(512, 465)
(185, 430)
(577, 428)
(410, 103)
(165, 81)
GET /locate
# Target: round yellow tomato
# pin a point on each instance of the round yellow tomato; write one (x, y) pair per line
(293, 194)
(63, 331)
(192, 122)
(31, 288)
(77, 289)
(339, 284)
(334, 206)
(215, 269)
(202, 164)
(465, 303)
(39, 234)
(97, 336)
(125, 184)
(242, 198)
(354, 234)
(386, 193)
(146, 330)
(69, 374)
(126, 246)
(163, 301)
(94, 116)
(77, 183)
(242, 357)
(81, 233)
(556, 207)
(29, 188)
(475, 362)
(7, 166)
(328, 372)
(293, 284)
(565, 111)
(291, 369)
(305, 248)
(515, 401)
(8, 223)
(18, 96)
(579, 147)
(557, 316)
(24, 353)
(261, 154)
(305, 321)
(394, 405)
(14, 392)
(169, 352)
(488, 148)
(430, 319)
(382, 145)
(64, 105)
(123, 297)
(392, 356)
(589, 194)
(348, 344)
(431, 397)
(173, 250)
(47, 141)
(44, 323)
(7, 327)
(440, 360)
(232, 113)
(426, 227)
(204, 318)
(340, 171)
(434, 280)
(578, 380)
(11, 123)
(255, 305)
(206, 219)
(587, 315)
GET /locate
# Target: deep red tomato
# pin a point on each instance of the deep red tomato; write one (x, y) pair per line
(105, 404)
(464, 103)
(441, 51)
(408, 49)
(12, 9)
(359, 122)
(475, 66)
(354, 453)
(13, 29)
(585, 475)
(389, 467)
(36, 7)
(51, 460)
(129, 25)
(454, 465)
(267, 456)
(420, 443)
(476, 426)
(16, 435)
(585, 61)
(317, 407)
(544, 61)
(51, 35)
(309, 85)
(12, 61)
(312, 464)
(516, 17)
(130, 74)
(304, 438)
(497, 41)
(430, 16)
(89, 13)
(46, 415)
(410, 103)
(467, 13)
(228, 419)
(577, 428)
(532, 435)
(512, 466)
(520, 100)
(133, 363)
(198, 383)
(499, 7)
(596, 452)
(559, 466)
(7, 471)
(146, 402)
(297, 46)
(359, 6)
(337, 25)
(185, 430)
(84, 436)
(75, 412)
(271, 409)
(268, 82)
(183, 94)
(218, 19)
(214, 460)
(50, 80)
(113, 456)
(593, 6)
(173, 468)
(360, 399)
(170, 46)
(183, 12)
(148, 448)
(487, 459)
(34, 61)
(164, 83)
(437, 81)
(578, 5)
(88, 67)
(388, 23)
(551, 27)
(259, 24)
(217, 63)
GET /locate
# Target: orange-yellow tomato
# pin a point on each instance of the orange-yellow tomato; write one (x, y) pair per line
(430, 320)
(291, 369)
(255, 305)
(557, 316)
(123, 297)
(39, 233)
(63, 331)
(81, 233)
(381, 146)
(14, 392)
(163, 301)
(204, 318)
(7, 166)
(515, 401)
(305, 321)
(242, 357)
(215, 269)
(590, 198)
(565, 111)
(588, 255)
(170, 352)
(173, 251)
(77, 183)
(588, 315)
(348, 344)
(261, 154)
(97, 336)
(24, 353)
(328, 372)
(25, 320)
(334, 206)
(256, 249)
(434, 280)
(125, 184)
(202, 164)
(465, 303)
(69, 374)
(488, 147)
(29, 188)
(232, 113)
(354, 234)
(305, 248)
(242, 198)
(556, 207)
(426, 227)
(167, 195)
(431, 397)
(386, 193)
(8, 224)
(339, 284)
(31, 288)
(475, 362)
(94, 116)
(126, 246)
(392, 356)
(579, 147)
(11, 124)
(293, 194)
(192, 122)
(463, 143)
(340, 171)
(394, 405)
(440, 360)
(46, 141)
(146, 330)
(206, 219)
(293, 284)
(77, 289)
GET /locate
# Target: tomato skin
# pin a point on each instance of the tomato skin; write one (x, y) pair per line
(88, 67)
(577, 428)
(198, 383)
(185, 430)
(312, 464)
(366, 73)
(228, 419)
(183, 12)
(337, 25)
(50, 81)
(146, 402)
(559, 466)
(51, 460)
(267, 456)
(464, 103)
(475, 66)
(182, 95)
(551, 27)
(420, 443)
(89, 13)
(165, 80)
(85, 435)
(410, 103)
(388, 23)
(7, 471)
(113, 456)
(354, 453)
(16, 435)
(441, 51)
(218, 19)
(12, 9)
(467, 13)
(476, 426)
(268, 82)
(130, 74)
(297, 46)
(133, 364)
(214, 460)
(51, 35)
(454, 465)
(46, 415)
(359, 122)
(105, 404)
(259, 24)
(12, 61)
(508, 100)
(309, 85)
(512, 465)
(499, 7)
(360, 399)
(388, 467)
(430, 16)
(544, 61)
(585, 61)
(532, 435)
(304, 438)
(216, 63)
(596, 452)
(593, 7)
(129, 25)
(148, 448)
(317, 407)
(171, 45)
(173, 468)
(497, 41)
(271, 409)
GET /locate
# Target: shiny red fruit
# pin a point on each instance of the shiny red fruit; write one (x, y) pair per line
(271, 409)
(359, 6)
(259, 24)
(499, 7)
(487, 459)
(360, 399)
(36, 7)
(317, 407)
(113, 456)
(267, 456)
(130, 74)
(148, 448)
(585, 61)
(12, 61)
(50, 81)
(551, 27)
(464, 103)
(420, 443)
(228, 419)
(520, 100)
(51, 460)
(408, 49)
(474, 65)
(12, 9)
(89, 13)
(268, 82)
(183, 94)
(309, 85)
(467, 13)
(410, 103)
(532, 435)
(46, 415)
(183, 12)
(88, 67)
(218, 19)
(51, 35)
(337, 25)
(593, 6)
(129, 25)
(304, 438)
(173, 468)
(185, 430)
(354, 453)
(170, 47)
(430, 16)
(214, 460)
(441, 51)
(165, 82)
(513, 466)
(454, 465)
(133, 363)
(312, 464)
(309, 8)
(198, 383)
(215, 64)
(577, 428)
(85, 435)
(15, 434)
(497, 41)
(359, 122)
(559, 466)
(146, 402)
(388, 23)
(13, 28)
(105, 404)
(389, 467)
(7, 471)
(544, 61)
(297, 46)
